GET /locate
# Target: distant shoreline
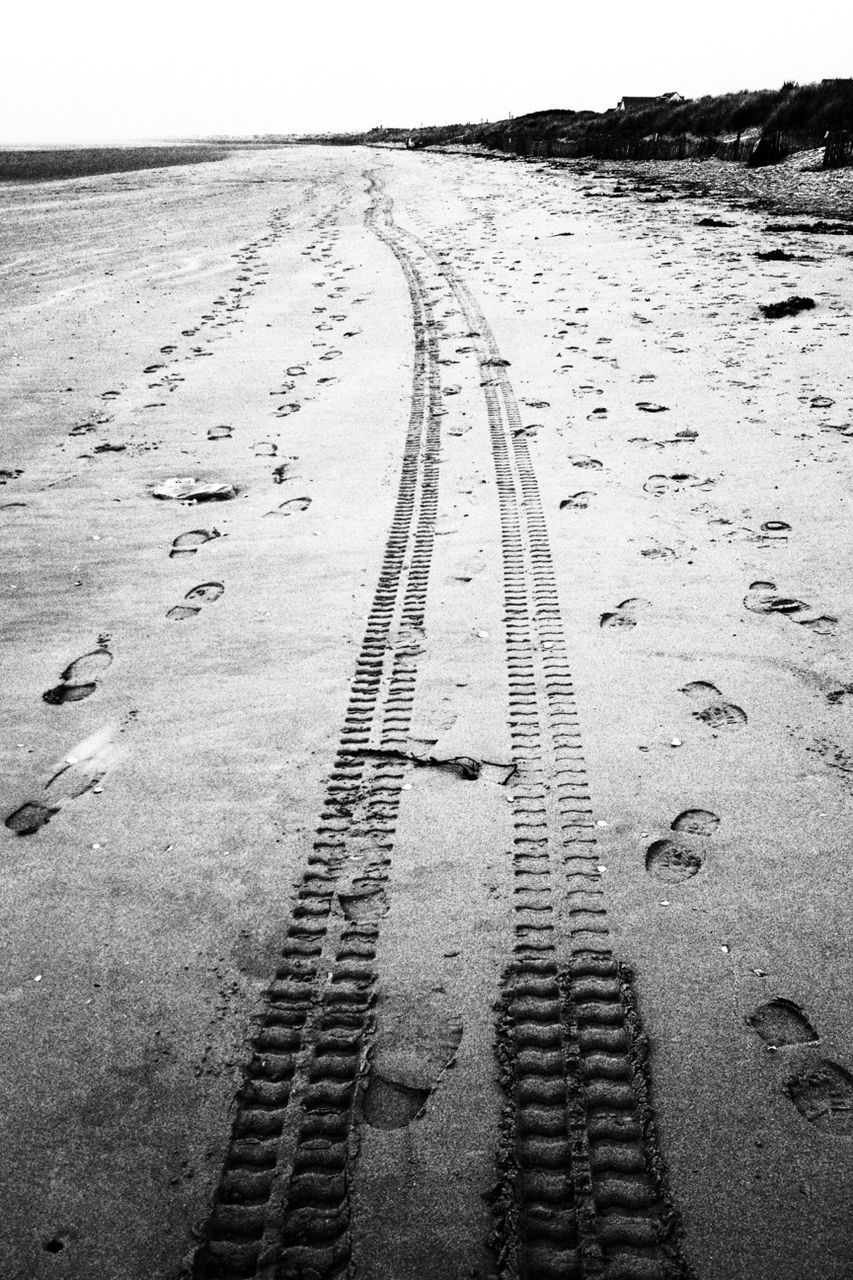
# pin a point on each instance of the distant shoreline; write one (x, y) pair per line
(49, 164)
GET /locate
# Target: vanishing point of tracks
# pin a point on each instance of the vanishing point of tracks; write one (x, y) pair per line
(581, 1186)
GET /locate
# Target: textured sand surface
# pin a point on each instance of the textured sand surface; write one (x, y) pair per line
(439, 575)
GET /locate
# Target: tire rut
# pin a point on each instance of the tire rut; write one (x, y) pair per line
(282, 1205)
(583, 1189)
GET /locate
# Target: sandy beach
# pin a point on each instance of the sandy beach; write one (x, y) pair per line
(427, 753)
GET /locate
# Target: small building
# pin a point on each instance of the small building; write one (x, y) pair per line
(640, 104)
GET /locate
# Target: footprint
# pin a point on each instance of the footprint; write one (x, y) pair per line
(78, 680)
(26, 820)
(577, 501)
(416, 1044)
(715, 711)
(696, 822)
(824, 1095)
(781, 1023)
(205, 593)
(762, 598)
(365, 902)
(582, 460)
(80, 771)
(83, 767)
(285, 410)
(648, 406)
(674, 861)
(625, 614)
(291, 507)
(187, 544)
(391, 1105)
(63, 693)
(657, 552)
(219, 433)
(265, 449)
(773, 533)
(679, 480)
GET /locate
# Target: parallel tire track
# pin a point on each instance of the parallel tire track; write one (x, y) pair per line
(583, 1187)
(281, 1208)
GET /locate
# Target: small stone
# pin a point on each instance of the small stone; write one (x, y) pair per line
(676, 742)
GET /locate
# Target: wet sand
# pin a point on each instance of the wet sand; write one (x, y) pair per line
(429, 857)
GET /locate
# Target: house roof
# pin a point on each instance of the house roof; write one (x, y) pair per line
(632, 101)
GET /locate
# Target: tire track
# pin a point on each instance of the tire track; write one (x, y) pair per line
(282, 1205)
(583, 1187)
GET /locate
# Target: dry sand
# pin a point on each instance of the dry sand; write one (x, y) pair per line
(322, 468)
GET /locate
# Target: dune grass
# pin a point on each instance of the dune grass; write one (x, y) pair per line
(773, 122)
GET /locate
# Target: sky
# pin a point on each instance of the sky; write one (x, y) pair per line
(107, 70)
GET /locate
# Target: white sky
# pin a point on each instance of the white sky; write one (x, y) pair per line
(100, 70)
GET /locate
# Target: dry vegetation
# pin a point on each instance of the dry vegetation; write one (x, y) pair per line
(760, 126)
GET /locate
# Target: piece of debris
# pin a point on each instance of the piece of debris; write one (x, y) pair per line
(465, 766)
(789, 307)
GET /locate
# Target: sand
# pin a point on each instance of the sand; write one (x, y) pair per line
(429, 859)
